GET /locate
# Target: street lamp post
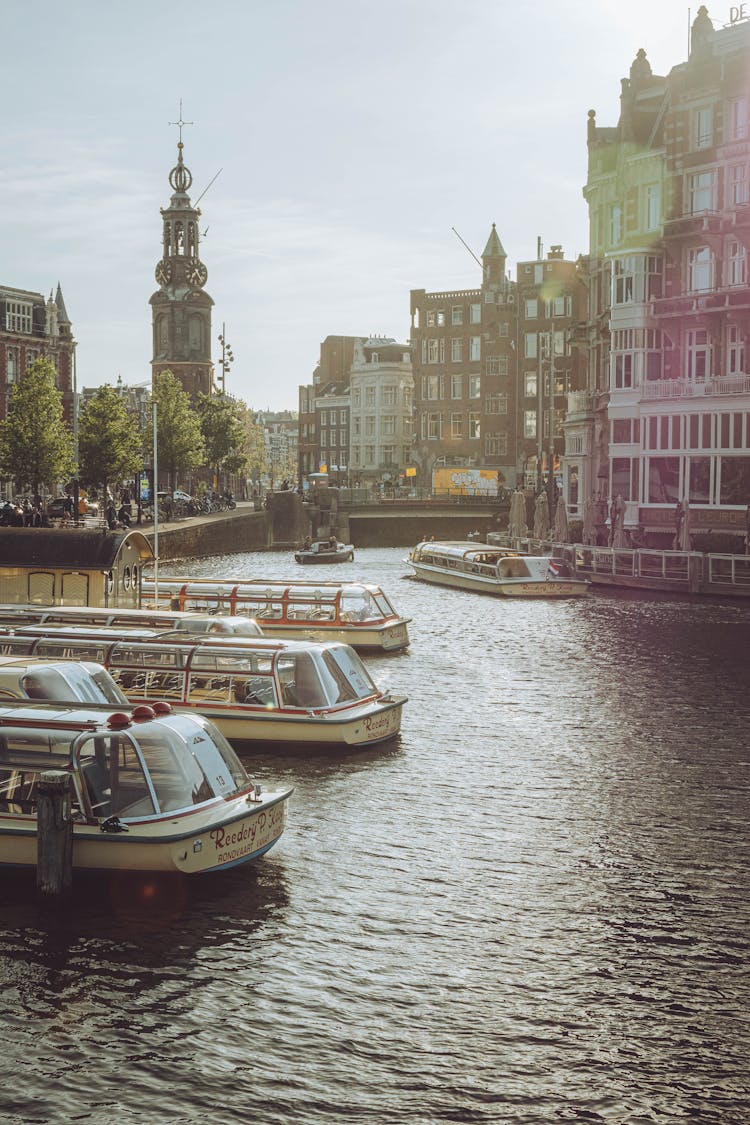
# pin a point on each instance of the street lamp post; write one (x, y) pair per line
(227, 358)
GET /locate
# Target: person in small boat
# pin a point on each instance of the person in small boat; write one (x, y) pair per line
(333, 543)
(307, 544)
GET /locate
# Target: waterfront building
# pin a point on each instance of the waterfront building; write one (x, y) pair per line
(551, 302)
(665, 415)
(31, 327)
(381, 397)
(464, 369)
(181, 308)
(324, 410)
(281, 434)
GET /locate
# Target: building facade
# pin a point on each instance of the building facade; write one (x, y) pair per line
(665, 415)
(181, 308)
(463, 347)
(31, 327)
(381, 397)
(551, 302)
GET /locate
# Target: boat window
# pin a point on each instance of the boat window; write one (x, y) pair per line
(209, 689)
(164, 685)
(259, 691)
(17, 646)
(64, 648)
(112, 777)
(359, 606)
(233, 626)
(512, 568)
(261, 608)
(147, 656)
(311, 611)
(345, 675)
(190, 761)
(73, 682)
(299, 681)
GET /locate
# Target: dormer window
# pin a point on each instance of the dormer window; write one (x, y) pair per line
(18, 316)
(703, 127)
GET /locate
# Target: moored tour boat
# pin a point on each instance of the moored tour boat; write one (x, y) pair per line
(151, 790)
(255, 689)
(495, 570)
(324, 551)
(159, 620)
(359, 614)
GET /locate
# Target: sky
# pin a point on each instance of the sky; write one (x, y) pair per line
(350, 139)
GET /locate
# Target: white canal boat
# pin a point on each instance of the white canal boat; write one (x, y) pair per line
(495, 570)
(255, 689)
(356, 613)
(151, 790)
(322, 551)
(160, 620)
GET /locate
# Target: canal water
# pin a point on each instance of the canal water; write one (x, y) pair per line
(531, 908)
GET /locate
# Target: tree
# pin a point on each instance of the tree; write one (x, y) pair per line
(36, 445)
(110, 447)
(223, 433)
(180, 445)
(254, 441)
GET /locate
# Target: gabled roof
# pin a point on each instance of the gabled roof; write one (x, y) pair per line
(87, 549)
(62, 315)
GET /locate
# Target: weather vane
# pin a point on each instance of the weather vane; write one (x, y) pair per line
(180, 124)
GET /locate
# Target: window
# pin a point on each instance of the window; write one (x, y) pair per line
(531, 309)
(623, 281)
(434, 426)
(388, 396)
(355, 427)
(475, 347)
(615, 224)
(432, 351)
(475, 314)
(370, 425)
(561, 306)
(457, 386)
(389, 424)
(457, 349)
(496, 404)
(369, 396)
(432, 387)
(369, 454)
(495, 445)
(343, 440)
(652, 207)
(737, 119)
(739, 185)
(529, 423)
(11, 365)
(703, 127)
(389, 454)
(622, 371)
(474, 428)
(504, 328)
(342, 417)
(475, 386)
(18, 316)
(530, 384)
(492, 365)
(735, 351)
(700, 269)
(356, 395)
(697, 355)
(736, 263)
(700, 192)
(457, 425)
(530, 345)
(457, 314)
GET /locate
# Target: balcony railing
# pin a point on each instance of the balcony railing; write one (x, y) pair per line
(688, 388)
(579, 402)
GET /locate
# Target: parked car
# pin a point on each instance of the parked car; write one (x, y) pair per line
(56, 507)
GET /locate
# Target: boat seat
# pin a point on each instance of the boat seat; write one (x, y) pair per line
(96, 780)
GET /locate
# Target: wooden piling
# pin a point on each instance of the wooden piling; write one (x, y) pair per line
(54, 863)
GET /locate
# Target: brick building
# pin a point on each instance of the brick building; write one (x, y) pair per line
(31, 327)
(665, 415)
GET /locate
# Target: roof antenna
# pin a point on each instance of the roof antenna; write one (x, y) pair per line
(458, 236)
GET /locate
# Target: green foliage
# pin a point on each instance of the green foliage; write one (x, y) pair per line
(179, 438)
(253, 442)
(223, 433)
(36, 445)
(109, 441)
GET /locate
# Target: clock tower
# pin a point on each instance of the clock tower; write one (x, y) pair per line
(181, 308)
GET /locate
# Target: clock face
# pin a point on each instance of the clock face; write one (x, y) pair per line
(164, 272)
(196, 273)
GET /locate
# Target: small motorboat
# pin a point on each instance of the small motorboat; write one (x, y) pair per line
(325, 551)
(495, 570)
(150, 790)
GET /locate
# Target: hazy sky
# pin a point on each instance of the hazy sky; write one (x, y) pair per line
(351, 136)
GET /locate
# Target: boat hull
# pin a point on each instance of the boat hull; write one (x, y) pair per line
(199, 842)
(365, 725)
(381, 638)
(505, 588)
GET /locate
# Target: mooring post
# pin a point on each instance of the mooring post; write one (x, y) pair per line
(54, 854)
